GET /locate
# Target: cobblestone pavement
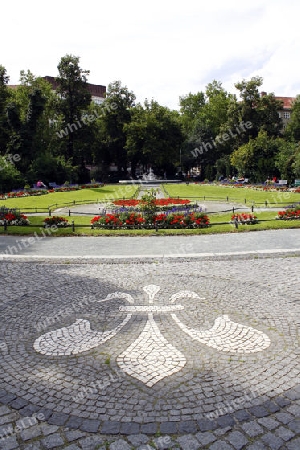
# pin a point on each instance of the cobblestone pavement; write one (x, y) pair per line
(178, 353)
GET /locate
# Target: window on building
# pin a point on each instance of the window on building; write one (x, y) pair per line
(279, 115)
(286, 115)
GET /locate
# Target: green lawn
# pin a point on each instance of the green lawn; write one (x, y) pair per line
(64, 198)
(234, 194)
(220, 224)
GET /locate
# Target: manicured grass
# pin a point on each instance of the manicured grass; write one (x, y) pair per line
(234, 194)
(220, 225)
(81, 196)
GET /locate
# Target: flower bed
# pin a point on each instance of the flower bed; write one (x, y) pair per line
(137, 221)
(244, 219)
(289, 214)
(158, 202)
(58, 221)
(89, 186)
(18, 194)
(12, 217)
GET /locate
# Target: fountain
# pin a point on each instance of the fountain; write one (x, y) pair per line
(149, 176)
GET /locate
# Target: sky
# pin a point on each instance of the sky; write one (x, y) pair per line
(159, 49)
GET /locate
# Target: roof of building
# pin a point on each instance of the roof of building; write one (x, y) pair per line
(287, 101)
(96, 90)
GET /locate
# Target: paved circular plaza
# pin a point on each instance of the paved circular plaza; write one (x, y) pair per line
(158, 346)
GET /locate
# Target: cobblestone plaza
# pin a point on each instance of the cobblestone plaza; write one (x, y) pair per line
(188, 353)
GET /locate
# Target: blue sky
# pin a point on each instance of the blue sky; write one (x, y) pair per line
(158, 49)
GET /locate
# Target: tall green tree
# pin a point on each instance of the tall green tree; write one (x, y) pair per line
(154, 137)
(259, 109)
(23, 132)
(117, 110)
(256, 159)
(74, 100)
(287, 160)
(4, 97)
(292, 131)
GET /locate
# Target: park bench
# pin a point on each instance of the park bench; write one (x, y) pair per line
(297, 183)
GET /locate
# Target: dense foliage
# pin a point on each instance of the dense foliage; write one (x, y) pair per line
(54, 135)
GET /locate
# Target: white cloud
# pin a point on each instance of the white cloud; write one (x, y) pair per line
(161, 49)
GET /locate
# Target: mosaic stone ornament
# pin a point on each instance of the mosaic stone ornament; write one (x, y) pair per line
(151, 358)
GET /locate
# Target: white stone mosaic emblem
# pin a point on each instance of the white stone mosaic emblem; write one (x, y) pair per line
(151, 358)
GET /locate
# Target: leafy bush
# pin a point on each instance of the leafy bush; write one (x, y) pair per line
(55, 220)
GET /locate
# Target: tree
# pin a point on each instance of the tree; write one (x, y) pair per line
(261, 110)
(23, 132)
(190, 107)
(73, 101)
(4, 97)
(154, 137)
(207, 115)
(256, 159)
(287, 160)
(117, 109)
(10, 176)
(292, 131)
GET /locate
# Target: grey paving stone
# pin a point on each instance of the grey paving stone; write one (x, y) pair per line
(74, 435)
(149, 428)
(242, 415)
(7, 399)
(110, 427)
(252, 429)
(207, 425)
(163, 442)
(219, 432)
(271, 406)
(52, 441)
(91, 426)
(138, 439)
(294, 444)
(48, 429)
(9, 443)
(4, 410)
(221, 445)
(294, 409)
(282, 401)
(129, 428)
(274, 442)
(91, 442)
(284, 417)
(268, 423)
(120, 444)
(187, 426)
(293, 394)
(294, 425)
(225, 421)
(8, 418)
(257, 446)
(258, 411)
(188, 442)
(284, 433)
(31, 433)
(237, 439)
(6, 430)
(205, 438)
(168, 427)
(73, 422)
(58, 419)
(34, 446)
(72, 447)
(18, 403)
